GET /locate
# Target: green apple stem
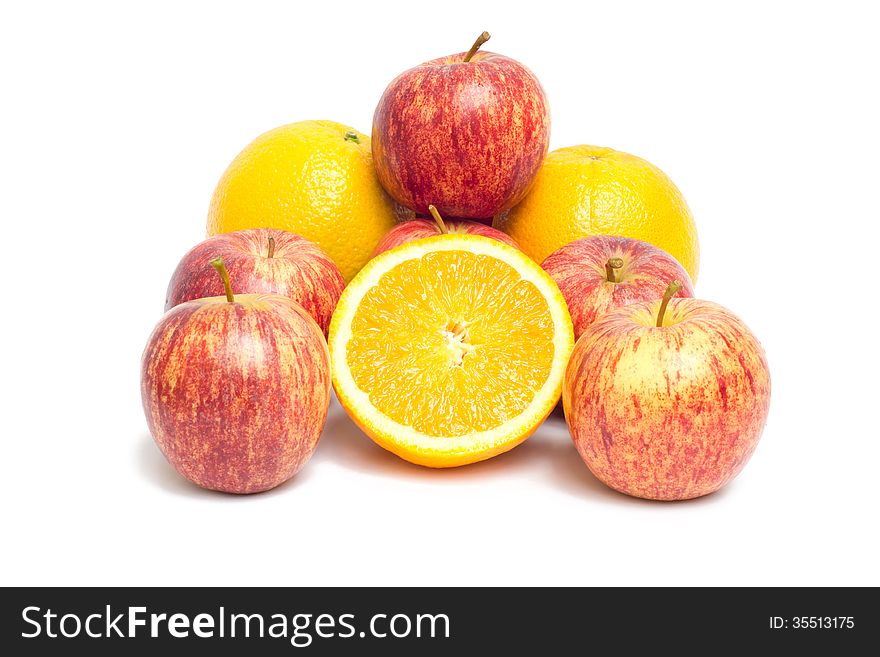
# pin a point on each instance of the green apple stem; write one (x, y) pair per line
(671, 289)
(271, 246)
(611, 268)
(440, 223)
(217, 263)
(483, 38)
(351, 135)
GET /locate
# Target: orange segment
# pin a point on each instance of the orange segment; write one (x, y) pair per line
(451, 349)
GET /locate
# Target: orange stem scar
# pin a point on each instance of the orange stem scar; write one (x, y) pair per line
(218, 264)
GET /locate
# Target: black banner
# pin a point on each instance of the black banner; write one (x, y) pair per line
(110, 621)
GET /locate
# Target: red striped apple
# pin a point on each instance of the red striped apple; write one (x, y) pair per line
(667, 400)
(236, 389)
(264, 261)
(416, 229)
(467, 132)
(599, 273)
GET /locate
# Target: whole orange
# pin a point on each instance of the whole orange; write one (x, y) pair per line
(313, 178)
(592, 190)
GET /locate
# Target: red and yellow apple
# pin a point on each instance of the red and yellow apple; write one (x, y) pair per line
(416, 229)
(261, 261)
(599, 273)
(667, 400)
(236, 389)
(467, 132)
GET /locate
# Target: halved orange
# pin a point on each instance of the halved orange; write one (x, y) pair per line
(450, 349)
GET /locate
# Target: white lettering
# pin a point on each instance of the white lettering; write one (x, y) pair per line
(178, 626)
(134, 621)
(322, 621)
(24, 617)
(112, 625)
(298, 627)
(433, 618)
(203, 626)
(394, 620)
(281, 624)
(77, 624)
(89, 626)
(49, 616)
(373, 626)
(154, 623)
(343, 622)
(247, 623)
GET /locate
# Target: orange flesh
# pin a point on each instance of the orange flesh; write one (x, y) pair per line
(466, 342)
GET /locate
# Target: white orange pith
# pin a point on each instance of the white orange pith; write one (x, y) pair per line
(451, 349)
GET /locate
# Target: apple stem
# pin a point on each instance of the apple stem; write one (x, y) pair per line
(671, 289)
(483, 38)
(271, 246)
(440, 223)
(351, 135)
(217, 263)
(611, 268)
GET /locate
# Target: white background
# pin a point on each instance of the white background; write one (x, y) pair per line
(115, 124)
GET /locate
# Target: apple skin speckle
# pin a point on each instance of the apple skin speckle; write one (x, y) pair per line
(468, 138)
(236, 394)
(667, 413)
